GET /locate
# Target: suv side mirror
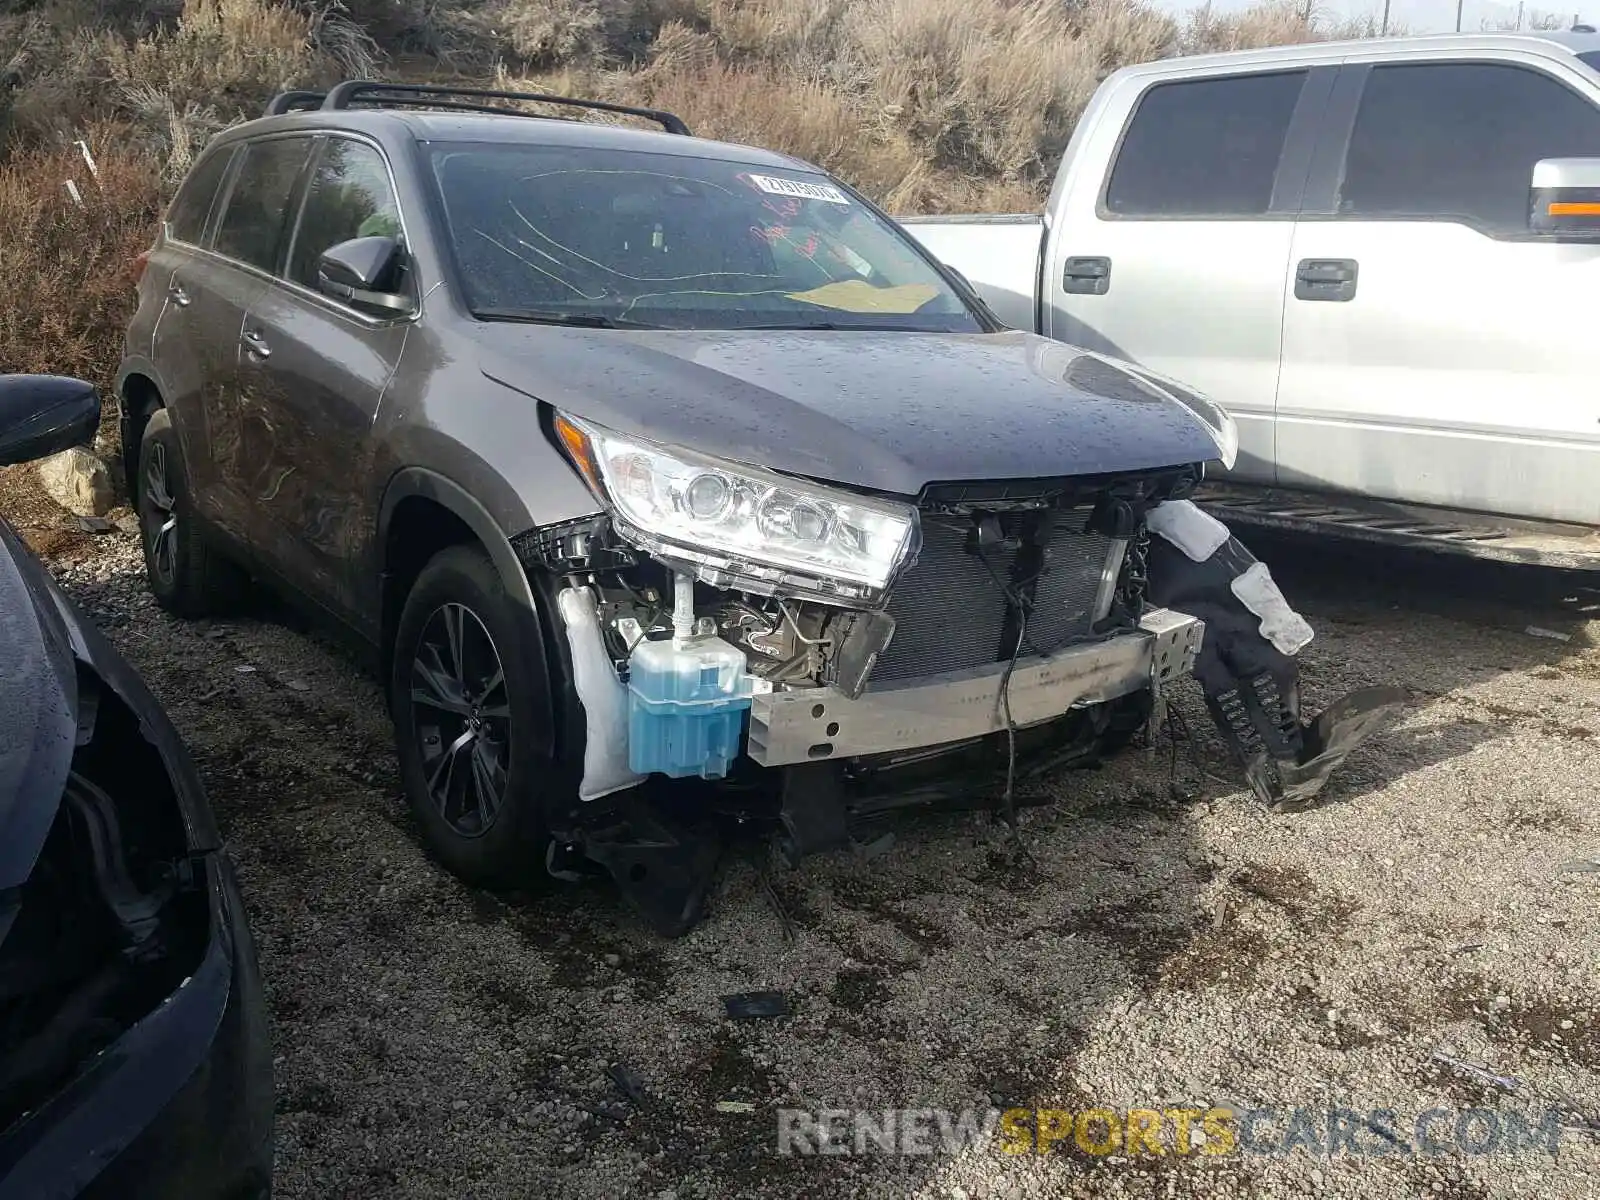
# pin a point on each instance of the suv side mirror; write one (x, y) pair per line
(41, 415)
(1565, 199)
(364, 271)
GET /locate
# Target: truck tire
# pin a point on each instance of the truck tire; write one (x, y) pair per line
(186, 574)
(466, 700)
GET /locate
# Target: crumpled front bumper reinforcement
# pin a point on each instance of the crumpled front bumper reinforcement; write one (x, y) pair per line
(812, 724)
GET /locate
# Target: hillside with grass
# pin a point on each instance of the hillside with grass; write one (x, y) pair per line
(927, 105)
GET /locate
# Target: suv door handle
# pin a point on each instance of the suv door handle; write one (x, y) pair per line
(1326, 279)
(179, 295)
(1087, 276)
(255, 344)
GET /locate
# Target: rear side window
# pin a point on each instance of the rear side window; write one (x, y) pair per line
(1204, 147)
(349, 196)
(186, 218)
(1457, 141)
(253, 226)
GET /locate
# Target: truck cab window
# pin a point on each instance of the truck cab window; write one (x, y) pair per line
(1457, 141)
(1204, 148)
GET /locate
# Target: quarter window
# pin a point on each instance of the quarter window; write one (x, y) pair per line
(1205, 147)
(253, 225)
(186, 219)
(1457, 141)
(349, 197)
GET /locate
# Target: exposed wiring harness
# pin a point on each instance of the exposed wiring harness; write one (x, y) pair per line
(1022, 605)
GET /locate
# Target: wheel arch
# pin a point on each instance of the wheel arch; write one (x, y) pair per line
(138, 396)
(423, 512)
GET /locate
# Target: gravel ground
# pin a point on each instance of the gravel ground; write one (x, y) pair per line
(1159, 946)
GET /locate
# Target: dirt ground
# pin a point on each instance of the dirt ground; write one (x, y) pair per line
(1166, 943)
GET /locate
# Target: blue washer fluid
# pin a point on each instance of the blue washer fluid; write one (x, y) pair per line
(686, 707)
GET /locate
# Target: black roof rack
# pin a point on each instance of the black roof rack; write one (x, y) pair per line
(425, 95)
(285, 102)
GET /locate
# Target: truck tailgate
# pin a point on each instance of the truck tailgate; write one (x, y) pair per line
(999, 254)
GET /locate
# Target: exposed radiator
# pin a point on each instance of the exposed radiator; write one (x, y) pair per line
(950, 612)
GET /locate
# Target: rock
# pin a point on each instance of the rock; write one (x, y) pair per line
(78, 481)
(613, 960)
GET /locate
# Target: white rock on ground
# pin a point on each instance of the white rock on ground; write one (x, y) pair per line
(78, 481)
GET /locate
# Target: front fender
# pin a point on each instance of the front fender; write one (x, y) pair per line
(422, 483)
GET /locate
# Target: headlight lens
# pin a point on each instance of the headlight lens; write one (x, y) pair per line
(768, 529)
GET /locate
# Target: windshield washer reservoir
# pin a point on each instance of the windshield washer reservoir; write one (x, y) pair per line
(687, 700)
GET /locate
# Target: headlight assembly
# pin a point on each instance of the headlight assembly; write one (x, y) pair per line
(739, 524)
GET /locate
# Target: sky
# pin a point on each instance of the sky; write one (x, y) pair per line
(1418, 16)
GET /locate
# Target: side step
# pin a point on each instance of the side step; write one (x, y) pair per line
(1439, 530)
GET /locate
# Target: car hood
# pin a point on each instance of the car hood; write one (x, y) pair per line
(38, 722)
(889, 411)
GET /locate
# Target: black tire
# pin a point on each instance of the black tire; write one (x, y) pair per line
(187, 575)
(498, 764)
(1127, 717)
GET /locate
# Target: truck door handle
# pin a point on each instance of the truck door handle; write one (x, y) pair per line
(255, 344)
(1325, 279)
(178, 294)
(1086, 276)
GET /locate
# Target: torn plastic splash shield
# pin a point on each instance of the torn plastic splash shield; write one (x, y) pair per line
(822, 723)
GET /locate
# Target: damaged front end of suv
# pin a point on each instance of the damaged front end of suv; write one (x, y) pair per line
(752, 648)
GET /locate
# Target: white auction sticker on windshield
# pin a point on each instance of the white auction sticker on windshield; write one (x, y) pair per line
(799, 190)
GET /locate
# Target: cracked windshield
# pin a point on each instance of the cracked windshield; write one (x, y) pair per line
(590, 237)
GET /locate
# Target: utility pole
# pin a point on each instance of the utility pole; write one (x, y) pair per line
(1519, 13)
(1459, 3)
(1385, 18)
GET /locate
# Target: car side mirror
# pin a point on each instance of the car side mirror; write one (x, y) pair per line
(41, 415)
(364, 271)
(1564, 201)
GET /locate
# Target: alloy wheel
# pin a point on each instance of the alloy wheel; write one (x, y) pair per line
(160, 515)
(462, 718)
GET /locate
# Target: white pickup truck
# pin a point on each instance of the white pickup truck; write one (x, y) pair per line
(1382, 257)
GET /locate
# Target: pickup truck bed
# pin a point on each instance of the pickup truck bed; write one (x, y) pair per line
(1009, 244)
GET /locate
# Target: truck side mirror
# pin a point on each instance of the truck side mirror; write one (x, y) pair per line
(41, 415)
(1564, 202)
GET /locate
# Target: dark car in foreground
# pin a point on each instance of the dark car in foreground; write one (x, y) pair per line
(666, 482)
(134, 1056)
